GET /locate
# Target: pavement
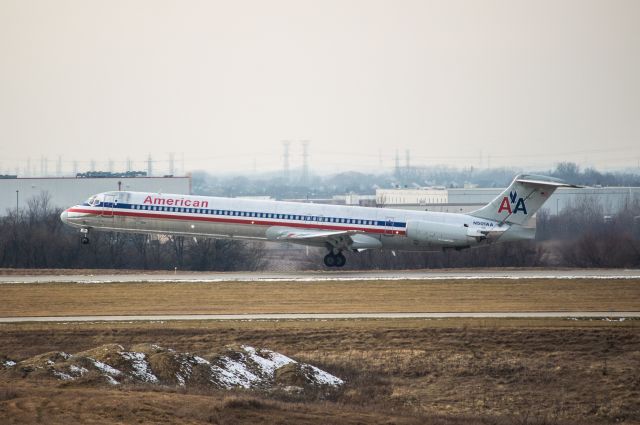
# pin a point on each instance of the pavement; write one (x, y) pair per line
(313, 276)
(605, 315)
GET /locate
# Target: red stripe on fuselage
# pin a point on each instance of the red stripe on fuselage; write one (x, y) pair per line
(246, 221)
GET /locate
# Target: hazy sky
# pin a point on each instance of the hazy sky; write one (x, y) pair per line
(518, 83)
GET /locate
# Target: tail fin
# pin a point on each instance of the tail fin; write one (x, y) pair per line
(521, 199)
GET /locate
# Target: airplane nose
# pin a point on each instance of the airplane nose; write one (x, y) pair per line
(64, 216)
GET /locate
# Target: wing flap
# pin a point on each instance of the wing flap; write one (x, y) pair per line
(338, 239)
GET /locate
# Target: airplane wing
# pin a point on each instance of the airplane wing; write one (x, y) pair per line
(339, 239)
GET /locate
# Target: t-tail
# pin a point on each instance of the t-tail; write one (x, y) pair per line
(520, 201)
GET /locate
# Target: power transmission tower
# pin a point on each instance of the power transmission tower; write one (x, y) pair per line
(285, 156)
(171, 164)
(397, 169)
(149, 166)
(59, 166)
(305, 161)
(129, 168)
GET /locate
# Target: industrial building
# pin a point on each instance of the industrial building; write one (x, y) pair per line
(413, 196)
(67, 191)
(611, 199)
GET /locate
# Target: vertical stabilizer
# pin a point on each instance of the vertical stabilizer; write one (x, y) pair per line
(520, 201)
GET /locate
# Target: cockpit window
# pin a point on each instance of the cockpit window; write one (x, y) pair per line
(93, 201)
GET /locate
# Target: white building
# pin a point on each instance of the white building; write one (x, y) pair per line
(417, 197)
(611, 199)
(67, 191)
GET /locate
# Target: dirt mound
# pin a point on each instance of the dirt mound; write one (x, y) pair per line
(233, 367)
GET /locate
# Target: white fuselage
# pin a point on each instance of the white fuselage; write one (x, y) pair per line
(138, 212)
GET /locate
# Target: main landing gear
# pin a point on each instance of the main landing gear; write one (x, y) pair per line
(334, 260)
(84, 240)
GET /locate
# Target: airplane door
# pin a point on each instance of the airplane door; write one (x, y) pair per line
(389, 229)
(311, 220)
(107, 205)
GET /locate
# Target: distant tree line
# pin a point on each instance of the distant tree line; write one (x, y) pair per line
(35, 237)
(580, 236)
(276, 186)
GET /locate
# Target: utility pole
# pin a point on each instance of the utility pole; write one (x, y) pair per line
(171, 167)
(59, 166)
(397, 169)
(128, 163)
(149, 166)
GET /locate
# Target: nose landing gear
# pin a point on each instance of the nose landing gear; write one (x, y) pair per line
(334, 260)
(84, 240)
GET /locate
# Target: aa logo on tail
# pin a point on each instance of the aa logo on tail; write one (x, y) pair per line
(512, 201)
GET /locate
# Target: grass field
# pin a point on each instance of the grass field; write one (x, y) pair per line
(448, 371)
(454, 371)
(58, 299)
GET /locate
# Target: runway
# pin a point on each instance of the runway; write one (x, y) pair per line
(604, 315)
(315, 276)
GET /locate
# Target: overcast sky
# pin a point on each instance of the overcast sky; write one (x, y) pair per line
(467, 82)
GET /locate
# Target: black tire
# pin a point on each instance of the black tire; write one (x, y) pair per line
(84, 240)
(340, 260)
(330, 260)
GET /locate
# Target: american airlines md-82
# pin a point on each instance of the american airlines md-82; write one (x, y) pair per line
(337, 228)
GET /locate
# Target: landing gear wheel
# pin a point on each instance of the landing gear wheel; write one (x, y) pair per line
(84, 240)
(330, 260)
(340, 260)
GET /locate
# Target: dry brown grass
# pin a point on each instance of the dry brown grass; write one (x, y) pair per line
(59, 299)
(402, 371)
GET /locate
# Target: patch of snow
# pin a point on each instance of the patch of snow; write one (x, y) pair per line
(65, 355)
(186, 369)
(75, 370)
(63, 376)
(235, 373)
(267, 360)
(200, 360)
(105, 368)
(9, 363)
(324, 378)
(110, 380)
(50, 363)
(140, 366)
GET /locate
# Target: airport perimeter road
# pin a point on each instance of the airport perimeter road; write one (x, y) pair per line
(329, 276)
(332, 316)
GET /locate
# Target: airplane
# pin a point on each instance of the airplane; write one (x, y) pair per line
(337, 228)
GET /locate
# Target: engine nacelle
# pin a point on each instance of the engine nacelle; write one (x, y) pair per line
(439, 234)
